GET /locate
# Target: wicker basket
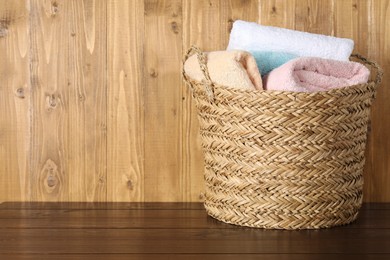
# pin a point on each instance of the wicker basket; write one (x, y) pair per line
(284, 160)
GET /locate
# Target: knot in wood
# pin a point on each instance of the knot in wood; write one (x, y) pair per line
(175, 27)
(81, 97)
(51, 101)
(20, 93)
(153, 73)
(51, 181)
(54, 8)
(130, 185)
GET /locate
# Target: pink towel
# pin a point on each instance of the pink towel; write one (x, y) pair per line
(236, 69)
(309, 74)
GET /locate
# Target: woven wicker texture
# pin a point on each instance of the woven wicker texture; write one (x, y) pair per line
(284, 160)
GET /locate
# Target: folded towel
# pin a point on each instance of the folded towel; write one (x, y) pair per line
(308, 74)
(236, 69)
(268, 60)
(255, 37)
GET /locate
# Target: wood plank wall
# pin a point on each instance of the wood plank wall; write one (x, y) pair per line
(92, 103)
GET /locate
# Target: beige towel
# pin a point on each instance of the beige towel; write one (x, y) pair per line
(236, 69)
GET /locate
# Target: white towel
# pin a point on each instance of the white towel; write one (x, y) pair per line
(255, 37)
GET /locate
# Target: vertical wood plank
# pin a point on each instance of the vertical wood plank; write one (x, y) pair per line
(351, 20)
(68, 75)
(344, 18)
(14, 101)
(314, 16)
(48, 155)
(162, 91)
(197, 17)
(125, 169)
(231, 10)
(377, 174)
(278, 13)
(88, 170)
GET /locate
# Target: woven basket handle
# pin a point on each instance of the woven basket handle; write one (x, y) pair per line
(379, 70)
(202, 59)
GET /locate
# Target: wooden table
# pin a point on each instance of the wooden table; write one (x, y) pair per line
(175, 231)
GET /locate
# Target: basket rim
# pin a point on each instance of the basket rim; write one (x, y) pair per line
(209, 85)
(335, 91)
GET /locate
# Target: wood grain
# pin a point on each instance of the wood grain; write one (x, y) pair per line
(125, 140)
(278, 13)
(162, 55)
(133, 206)
(68, 134)
(314, 16)
(14, 101)
(93, 106)
(119, 217)
(196, 16)
(344, 17)
(195, 241)
(379, 49)
(173, 256)
(176, 231)
(192, 156)
(351, 20)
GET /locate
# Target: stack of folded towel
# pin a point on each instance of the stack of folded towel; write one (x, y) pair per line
(287, 60)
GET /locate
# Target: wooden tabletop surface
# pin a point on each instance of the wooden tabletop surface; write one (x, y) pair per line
(176, 231)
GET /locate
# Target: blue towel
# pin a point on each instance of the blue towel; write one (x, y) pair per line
(269, 60)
